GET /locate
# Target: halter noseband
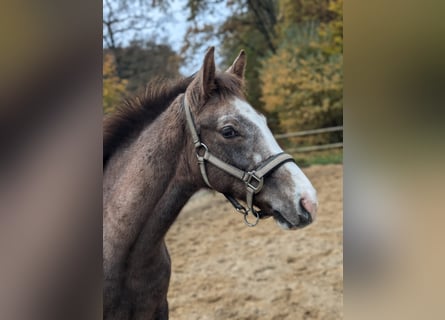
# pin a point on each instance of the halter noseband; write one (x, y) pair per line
(254, 179)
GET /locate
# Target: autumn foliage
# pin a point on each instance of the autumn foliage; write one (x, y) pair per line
(302, 83)
(113, 86)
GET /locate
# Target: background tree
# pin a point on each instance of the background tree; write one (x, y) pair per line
(141, 61)
(113, 87)
(252, 29)
(132, 27)
(302, 83)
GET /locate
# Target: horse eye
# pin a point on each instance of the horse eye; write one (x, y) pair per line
(228, 132)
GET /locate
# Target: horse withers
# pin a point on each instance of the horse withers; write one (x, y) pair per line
(159, 149)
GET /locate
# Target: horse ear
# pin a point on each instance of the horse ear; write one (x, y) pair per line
(204, 82)
(207, 73)
(239, 65)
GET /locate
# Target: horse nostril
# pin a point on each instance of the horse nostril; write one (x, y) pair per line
(309, 206)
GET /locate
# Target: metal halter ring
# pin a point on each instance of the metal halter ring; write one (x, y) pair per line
(201, 146)
(255, 214)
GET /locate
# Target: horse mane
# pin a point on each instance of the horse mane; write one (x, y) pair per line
(135, 114)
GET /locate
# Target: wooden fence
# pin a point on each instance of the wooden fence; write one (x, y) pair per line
(309, 133)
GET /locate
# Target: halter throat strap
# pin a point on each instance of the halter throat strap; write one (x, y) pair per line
(254, 179)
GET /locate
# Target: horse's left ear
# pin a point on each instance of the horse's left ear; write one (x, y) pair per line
(239, 65)
(207, 73)
(204, 83)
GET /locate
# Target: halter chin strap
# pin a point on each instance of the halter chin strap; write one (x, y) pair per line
(254, 179)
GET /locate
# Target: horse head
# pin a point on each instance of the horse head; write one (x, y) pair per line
(238, 154)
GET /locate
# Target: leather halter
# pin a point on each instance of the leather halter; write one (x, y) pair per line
(254, 179)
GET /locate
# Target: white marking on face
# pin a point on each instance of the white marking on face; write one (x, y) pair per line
(260, 121)
(305, 184)
(257, 157)
(301, 184)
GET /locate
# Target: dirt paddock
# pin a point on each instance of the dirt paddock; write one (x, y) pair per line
(222, 269)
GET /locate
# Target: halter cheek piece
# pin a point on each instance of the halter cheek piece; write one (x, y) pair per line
(254, 179)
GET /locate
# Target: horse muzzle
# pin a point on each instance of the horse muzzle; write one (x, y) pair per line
(304, 215)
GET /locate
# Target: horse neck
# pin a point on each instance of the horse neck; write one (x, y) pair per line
(145, 186)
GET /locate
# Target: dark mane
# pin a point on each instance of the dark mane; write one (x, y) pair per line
(131, 117)
(135, 114)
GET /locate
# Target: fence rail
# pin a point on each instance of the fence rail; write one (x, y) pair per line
(308, 133)
(317, 148)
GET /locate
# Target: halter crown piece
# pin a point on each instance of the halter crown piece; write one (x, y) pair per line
(254, 179)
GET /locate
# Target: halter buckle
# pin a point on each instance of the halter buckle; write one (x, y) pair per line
(257, 182)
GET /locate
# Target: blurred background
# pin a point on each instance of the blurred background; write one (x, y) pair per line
(294, 50)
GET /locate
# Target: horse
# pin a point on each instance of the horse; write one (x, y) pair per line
(162, 147)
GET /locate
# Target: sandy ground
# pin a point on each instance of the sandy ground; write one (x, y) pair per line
(222, 269)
